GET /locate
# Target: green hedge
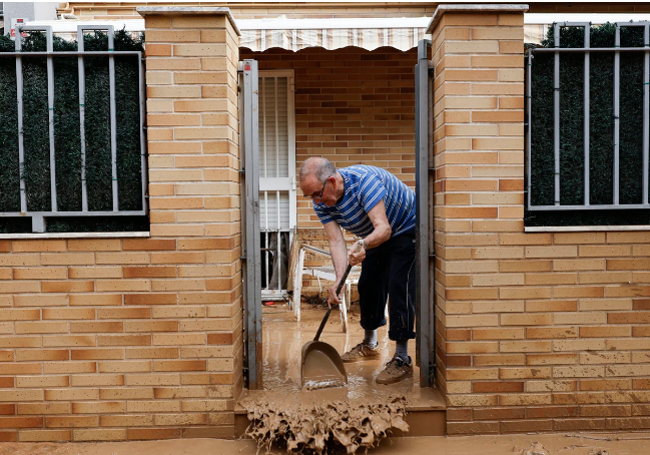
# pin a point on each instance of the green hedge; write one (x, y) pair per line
(601, 128)
(36, 171)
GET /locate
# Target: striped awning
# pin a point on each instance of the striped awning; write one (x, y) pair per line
(367, 33)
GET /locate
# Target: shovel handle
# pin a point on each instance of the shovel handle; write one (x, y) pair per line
(322, 324)
(338, 291)
(329, 310)
(347, 271)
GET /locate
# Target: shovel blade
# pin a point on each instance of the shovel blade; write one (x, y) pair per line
(321, 366)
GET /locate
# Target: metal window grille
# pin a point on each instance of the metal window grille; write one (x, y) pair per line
(39, 217)
(586, 51)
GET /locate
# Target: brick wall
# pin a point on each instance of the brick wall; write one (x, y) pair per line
(537, 331)
(106, 10)
(128, 338)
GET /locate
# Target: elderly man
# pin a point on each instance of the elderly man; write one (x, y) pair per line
(376, 206)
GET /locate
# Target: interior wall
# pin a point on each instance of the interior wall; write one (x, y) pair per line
(353, 106)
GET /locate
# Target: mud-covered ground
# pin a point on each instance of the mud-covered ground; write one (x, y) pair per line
(559, 444)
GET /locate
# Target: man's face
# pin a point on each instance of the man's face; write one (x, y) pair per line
(317, 191)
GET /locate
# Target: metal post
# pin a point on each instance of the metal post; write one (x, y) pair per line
(50, 110)
(617, 69)
(529, 152)
(21, 139)
(111, 75)
(82, 116)
(422, 301)
(586, 116)
(143, 141)
(646, 106)
(278, 256)
(252, 228)
(556, 113)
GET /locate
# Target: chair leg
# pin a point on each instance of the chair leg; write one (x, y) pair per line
(343, 308)
(297, 285)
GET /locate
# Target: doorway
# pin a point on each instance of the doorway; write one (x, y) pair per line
(371, 106)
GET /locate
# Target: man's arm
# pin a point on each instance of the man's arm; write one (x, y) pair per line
(338, 250)
(382, 231)
(379, 235)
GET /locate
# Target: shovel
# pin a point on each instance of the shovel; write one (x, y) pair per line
(321, 363)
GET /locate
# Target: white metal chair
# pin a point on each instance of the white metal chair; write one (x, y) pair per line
(327, 273)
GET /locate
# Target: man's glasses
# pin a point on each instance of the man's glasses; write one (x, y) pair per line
(319, 195)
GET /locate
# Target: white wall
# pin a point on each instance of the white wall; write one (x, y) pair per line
(29, 10)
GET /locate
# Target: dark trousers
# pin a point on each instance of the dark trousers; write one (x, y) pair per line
(389, 271)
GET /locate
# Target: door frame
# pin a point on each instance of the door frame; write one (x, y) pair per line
(424, 240)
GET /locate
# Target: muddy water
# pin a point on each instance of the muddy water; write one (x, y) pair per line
(558, 444)
(284, 339)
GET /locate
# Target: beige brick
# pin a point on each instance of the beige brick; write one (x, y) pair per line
(97, 380)
(150, 379)
(493, 61)
(179, 339)
(71, 394)
(578, 264)
(105, 407)
(525, 346)
(172, 36)
(579, 318)
(44, 435)
(551, 359)
(524, 399)
(551, 251)
(126, 420)
(99, 435)
(526, 319)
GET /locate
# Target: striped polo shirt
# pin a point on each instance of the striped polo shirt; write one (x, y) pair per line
(365, 186)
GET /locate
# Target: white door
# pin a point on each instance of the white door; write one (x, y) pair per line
(277, 171)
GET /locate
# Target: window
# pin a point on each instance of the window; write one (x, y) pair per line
(71, 139)
(587, 136)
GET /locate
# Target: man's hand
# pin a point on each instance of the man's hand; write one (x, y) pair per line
(333, 298)
(357, 253)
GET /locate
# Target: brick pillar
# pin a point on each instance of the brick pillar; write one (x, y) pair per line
(191, 57)
(479, 160)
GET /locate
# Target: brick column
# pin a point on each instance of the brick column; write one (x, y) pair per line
(192, 55)
(479, 161)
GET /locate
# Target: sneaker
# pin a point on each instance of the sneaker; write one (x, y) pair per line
(360, 353)
(396, 370)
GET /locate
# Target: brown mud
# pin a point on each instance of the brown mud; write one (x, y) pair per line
(553, 444)
(324, 426)
(318, 420)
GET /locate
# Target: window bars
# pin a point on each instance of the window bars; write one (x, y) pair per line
(587, 50)
(38, 217)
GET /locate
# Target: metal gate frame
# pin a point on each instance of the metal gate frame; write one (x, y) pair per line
(424, 253)
(251, 257)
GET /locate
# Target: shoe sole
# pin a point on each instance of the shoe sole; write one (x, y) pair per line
(395, 379)
(361, 359)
